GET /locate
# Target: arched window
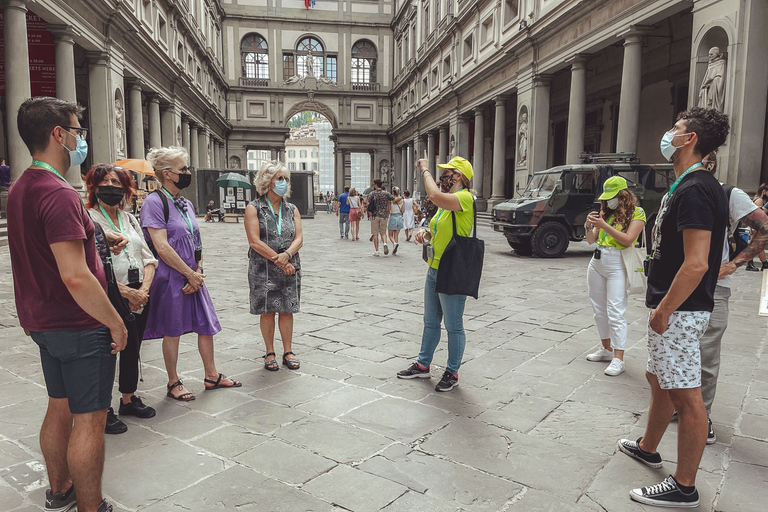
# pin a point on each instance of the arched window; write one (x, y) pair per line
(364, 62)
(255, 57)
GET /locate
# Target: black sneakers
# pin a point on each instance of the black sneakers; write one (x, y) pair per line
(751, 267)
(665, 494)
(104, 507)
(632, 448)
(114, 425)
(57, 502)
(448, 382)
(711, 436)
(414, 372)
(136, 408)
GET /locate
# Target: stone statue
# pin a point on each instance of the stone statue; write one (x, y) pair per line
(712, 91)
(178, 135)
(234, 162)
(208, 159)
(309, 64)
(119, 127)
(522, 132)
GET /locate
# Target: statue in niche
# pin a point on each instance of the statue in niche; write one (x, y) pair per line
(119, 127)
(208, 159)
(178, 135)
(712, 91)
(522, 132)
(309, 65)
(234, 162)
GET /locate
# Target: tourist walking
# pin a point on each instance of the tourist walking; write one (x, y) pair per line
(110, 189)
(409, 212)
(380, 199)
(273, 226)
(395, 222)
(343, 214)
(761, 201)
(180, 302)
(615, 228)
(685, 261)
(453, 199)
(60, 288)
(329, 198)
(355, 212)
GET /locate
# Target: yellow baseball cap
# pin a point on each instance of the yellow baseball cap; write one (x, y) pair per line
(611, 187)
(460, 164)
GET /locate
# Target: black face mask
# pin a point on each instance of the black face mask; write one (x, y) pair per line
(184, 181)
(110, 195)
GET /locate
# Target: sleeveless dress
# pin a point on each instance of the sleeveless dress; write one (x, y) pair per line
(271, 291)
(171, 313)
(408, 219)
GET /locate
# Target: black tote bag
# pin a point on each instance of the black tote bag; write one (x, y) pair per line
(461, 265)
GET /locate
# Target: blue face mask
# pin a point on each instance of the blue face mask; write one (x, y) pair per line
(666, 146)
(77, 155)
(281, 187)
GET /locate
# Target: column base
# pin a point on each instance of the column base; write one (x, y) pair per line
(481, 204)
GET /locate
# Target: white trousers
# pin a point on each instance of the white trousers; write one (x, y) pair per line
(607, 282)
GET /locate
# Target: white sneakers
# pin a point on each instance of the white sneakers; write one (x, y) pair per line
(615, 368)
(386, 250)
(602, 354)
(377, 253)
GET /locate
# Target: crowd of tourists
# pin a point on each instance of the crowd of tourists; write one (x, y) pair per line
(92, 281)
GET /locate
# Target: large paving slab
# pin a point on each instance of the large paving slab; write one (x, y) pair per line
(532, 426)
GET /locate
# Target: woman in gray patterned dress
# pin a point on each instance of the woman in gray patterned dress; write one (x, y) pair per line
(273, 226)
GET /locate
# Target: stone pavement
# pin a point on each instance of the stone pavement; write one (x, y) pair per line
(532, 427)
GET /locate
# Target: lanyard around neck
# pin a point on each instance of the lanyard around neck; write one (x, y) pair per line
(114, 228)
(48, 167)
(439, 213)
(278, 216)
(605, 233)
(685, 173)
(184, 215)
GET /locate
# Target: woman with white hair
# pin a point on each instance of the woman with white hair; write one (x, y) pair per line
(273, 226)
(180, 302)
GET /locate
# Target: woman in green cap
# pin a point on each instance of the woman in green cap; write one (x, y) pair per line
(615, 227)
(453, 196)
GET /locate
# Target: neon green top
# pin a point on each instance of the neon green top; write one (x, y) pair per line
(441, 225)
(607, 240)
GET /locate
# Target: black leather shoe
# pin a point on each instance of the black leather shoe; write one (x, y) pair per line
(114, 425)
(136, 408)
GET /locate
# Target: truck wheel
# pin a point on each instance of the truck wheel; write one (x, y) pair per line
(521, 248)
(550, 240)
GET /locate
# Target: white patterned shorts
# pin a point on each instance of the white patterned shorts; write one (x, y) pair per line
(674, 357)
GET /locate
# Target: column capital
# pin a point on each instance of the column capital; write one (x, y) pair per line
(500, 100)
(96, 58)
(153, 98)
(63, 33)
(634, 34)
(542, 80)
(577, 61)
(20, 5)
(479, 112)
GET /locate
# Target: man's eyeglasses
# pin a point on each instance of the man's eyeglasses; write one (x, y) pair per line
(282, 178)
(79, 131)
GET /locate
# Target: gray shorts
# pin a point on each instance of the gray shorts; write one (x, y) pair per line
(78, 365)
(674, 356)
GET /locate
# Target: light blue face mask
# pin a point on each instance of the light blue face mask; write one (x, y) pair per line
(281, 187)
(77, 155)
(666, 146)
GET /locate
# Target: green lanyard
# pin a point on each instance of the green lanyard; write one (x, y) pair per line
(685, 173)
(605, 233)
(278, 216)
(184, 216)
(48, 167)
(114, 228)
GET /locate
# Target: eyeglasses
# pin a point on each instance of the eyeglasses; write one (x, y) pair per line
(79, 131)
(184, 170)
(282, 178)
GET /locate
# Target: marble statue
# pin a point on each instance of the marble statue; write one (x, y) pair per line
(309, 64)
(712, 91)
(522, 132)
(119, 127)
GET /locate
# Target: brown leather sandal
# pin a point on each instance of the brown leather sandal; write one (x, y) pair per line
(184, 397)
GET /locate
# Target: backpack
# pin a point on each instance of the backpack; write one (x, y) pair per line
(736, 242)
(166, 213)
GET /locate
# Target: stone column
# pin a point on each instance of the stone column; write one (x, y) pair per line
(577, 110)
(463, 143)
(404, 170)
(396, 166)
(215, 162)
(17, 84)
(168, 126)
(443, 145)
(539, 127)
(499, 151)
(99, 108)
(338, 178)
(194, 156)
(185, 133)
(202, 147)
(155, 133)
(66, 88)
(411, 162)
(347, 170)
(431, 153)
(629, 101)
(478, 156)
(136, 136)
(372, 171)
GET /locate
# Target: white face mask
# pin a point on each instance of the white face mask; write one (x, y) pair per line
(612, 203)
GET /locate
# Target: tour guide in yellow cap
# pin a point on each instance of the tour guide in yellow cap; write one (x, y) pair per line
(451, 196)
(612, 186)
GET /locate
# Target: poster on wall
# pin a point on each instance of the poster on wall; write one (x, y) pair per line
(230, 199)
(241, 205)
(240, 196)
(42, 56)
(230, 192)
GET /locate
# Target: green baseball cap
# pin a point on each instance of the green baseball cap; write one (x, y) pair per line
(611, 187)
(460, 164)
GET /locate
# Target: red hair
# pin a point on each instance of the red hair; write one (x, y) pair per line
(96, 175)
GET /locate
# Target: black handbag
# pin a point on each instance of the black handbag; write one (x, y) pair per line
(461, 265)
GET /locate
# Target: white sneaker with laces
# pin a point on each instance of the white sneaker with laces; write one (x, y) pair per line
(615, 368)
(602, 354)
(377, 254)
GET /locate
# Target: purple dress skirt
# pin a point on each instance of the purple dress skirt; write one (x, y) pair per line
(171, 313)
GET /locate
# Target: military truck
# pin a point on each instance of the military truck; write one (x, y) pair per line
(554, 206)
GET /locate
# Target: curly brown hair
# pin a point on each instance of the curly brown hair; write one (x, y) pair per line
(624, 212)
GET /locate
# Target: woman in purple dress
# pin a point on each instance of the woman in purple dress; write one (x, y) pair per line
(180, 302)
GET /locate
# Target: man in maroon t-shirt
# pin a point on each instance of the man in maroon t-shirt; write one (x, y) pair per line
(62, 303)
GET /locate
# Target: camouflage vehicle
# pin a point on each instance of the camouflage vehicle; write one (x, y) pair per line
(554, 207)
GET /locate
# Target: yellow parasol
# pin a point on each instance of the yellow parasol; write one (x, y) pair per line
(136, 164)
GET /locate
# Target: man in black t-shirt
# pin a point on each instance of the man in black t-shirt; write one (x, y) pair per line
(687, 250)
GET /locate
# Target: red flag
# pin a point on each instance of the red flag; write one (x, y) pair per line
(306, 4)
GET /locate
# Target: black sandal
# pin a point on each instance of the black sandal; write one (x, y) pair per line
(184, 397)
(270, 365)
(292, 364)
(216, 382)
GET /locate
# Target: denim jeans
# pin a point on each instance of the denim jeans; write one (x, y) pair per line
(437, 307)
(344, 222)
